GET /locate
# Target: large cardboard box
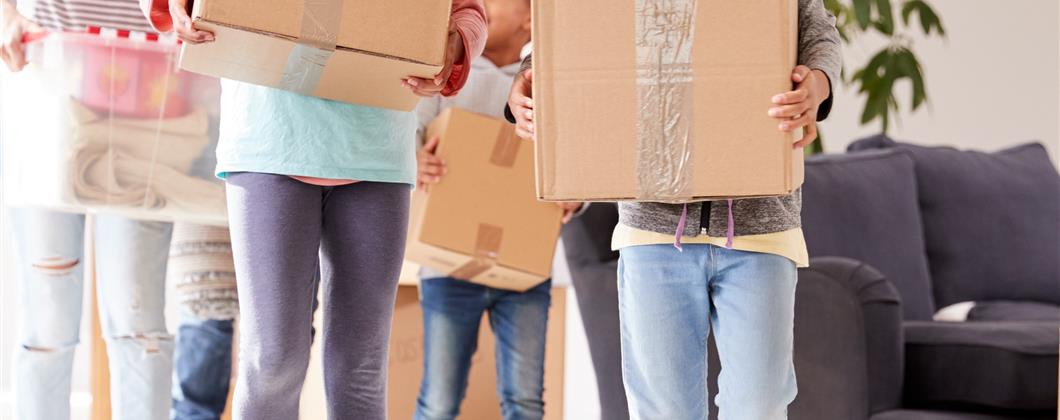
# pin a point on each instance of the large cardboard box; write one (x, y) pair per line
(353, 51)
(662, 100)
(482, 222)
(481, 403)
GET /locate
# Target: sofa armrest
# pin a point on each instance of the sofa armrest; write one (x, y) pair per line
(848, 341)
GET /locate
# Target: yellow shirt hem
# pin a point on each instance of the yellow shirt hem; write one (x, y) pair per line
(789, 244)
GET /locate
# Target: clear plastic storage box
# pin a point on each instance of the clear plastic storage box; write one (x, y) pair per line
(106, 123)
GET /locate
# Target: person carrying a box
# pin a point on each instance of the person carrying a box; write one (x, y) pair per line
(734, 276)
(307, 177)
(130, 260)
(453, 308)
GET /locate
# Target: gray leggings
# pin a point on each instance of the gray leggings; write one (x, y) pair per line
(278, 226)
(594, 272)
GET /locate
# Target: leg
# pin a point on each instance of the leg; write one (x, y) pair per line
(754, 301)
(275, 226)
(131, 266)
(452, 313)
(362, 248)
(664, 309)
(49, 248)
(200, 263)
(520, 322)
(593, 267)
(202, 368)
(596, 289)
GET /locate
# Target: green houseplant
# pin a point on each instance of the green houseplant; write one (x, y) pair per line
(894, 62)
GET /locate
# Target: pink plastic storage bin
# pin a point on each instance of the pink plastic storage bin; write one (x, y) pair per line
(108, 124)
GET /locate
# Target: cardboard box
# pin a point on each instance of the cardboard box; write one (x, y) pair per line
(410, 274)
(275, 43)
(481, 403)
(662, 101)
(481, 222)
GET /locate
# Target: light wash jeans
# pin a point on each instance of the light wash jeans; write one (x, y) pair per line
(670, 300)
(452, 313)
(131, 266)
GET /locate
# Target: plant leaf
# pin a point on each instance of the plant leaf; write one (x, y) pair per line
(863, 13)
(907, 9)
(929, 20)
(910, 67)
(885, 23)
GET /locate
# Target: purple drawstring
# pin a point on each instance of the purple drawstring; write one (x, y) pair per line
(681, 228)
(730, 230)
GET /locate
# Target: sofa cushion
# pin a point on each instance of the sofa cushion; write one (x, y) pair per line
(863, 206)
(1007, 365)
(990, 221)
(1003, 310)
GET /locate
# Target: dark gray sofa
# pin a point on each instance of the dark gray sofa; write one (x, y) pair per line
(916, 229)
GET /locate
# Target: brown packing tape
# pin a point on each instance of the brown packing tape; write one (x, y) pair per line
(487, 245)
(506, 148)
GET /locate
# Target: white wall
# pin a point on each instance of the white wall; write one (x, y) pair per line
(993, 82)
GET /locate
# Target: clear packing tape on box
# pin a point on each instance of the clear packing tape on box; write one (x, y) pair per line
(318, 37)
(665, 31)
(665, 34)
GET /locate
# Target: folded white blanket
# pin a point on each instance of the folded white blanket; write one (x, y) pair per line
(110, 177)
(142, 164)
(174, 142)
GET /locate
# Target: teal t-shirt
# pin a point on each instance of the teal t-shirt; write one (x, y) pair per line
(274, 131)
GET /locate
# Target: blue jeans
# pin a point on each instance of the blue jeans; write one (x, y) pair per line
(452, 311)
(203, 368)
(131, 262)
(669, 301)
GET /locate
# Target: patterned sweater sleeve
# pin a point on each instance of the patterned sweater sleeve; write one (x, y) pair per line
(819, 46)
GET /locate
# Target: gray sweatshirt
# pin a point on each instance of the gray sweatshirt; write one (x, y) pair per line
(819, 49)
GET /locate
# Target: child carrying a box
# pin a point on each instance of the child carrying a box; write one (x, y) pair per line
(453, 308)
(735, 276)
(308, 177)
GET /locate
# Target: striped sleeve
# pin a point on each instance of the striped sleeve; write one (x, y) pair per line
(76, 15)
